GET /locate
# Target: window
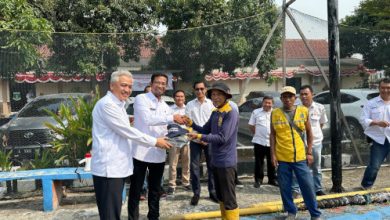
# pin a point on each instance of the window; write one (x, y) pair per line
(323, 98)
(250, 105)
(346, 98)
(372, 95)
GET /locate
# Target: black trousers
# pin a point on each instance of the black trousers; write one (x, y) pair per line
(225, 186)
(108, 192)
(156, 171)
(262, 152)
(195, 155)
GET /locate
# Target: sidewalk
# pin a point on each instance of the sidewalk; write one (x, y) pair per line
(80, 204)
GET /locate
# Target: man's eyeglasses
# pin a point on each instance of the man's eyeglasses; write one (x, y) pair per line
(199, 89)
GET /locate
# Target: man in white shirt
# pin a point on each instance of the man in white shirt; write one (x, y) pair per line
(260, 126)
(317, 116)
(151, 116)
(179, 108)
(199, 111)
(112, 138)
(375, 119)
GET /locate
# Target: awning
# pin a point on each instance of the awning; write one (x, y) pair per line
(216, 75)
(31, 77)
(141, 80)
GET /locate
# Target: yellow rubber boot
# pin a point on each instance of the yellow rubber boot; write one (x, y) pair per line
(223, 211)
(233, 214)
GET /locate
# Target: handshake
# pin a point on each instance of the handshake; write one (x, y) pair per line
(182, 119)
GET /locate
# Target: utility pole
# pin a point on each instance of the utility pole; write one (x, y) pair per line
(335, 108)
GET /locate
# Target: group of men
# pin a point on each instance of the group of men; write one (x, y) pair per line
(120, 150)
(289, 137)
(285, 137)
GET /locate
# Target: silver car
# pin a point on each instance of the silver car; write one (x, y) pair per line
(26, 132)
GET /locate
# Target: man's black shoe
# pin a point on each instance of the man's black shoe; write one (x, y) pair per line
(195, 200)
(171, 192)
(214, 198)
(274, 183)
(187, 187)
(256, 185)
(239, 184)
(320, 193)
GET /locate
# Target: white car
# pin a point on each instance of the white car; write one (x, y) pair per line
(352, 102)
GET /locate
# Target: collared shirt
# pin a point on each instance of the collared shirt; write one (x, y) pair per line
(317, 116)
(179, 110)
(198, 112)
(151, 116)
(376, 110)
(262, 121)
(111, 135)
(221, 132)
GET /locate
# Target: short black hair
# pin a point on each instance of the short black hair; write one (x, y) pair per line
(384, 80)
(158, 75)
(306, 87)
(198, 82)
(268, 97)
(177, 91)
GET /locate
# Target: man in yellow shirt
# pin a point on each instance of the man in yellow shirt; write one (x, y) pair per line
(289, 153)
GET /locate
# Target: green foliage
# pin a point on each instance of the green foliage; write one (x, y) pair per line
(225, 46)
(44, 159)
(5, 163)
(18, 49)
(271, 80)
(90, 52)
(74, 134)
(368, 32)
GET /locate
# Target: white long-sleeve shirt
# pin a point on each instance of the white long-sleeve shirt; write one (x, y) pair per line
(112, 139)
(198, 112)
(151, 116)
(376, 110)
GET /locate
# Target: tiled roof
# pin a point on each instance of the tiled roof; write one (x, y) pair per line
(296, 49)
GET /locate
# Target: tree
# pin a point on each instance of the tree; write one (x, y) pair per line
(93, 35)
(19, 49)
(215, 46)
(368, 32)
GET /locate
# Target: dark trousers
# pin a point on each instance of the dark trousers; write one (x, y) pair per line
(261, 152)
(378, 154)
(108, 192)
(156, 171)
(195, 154)
(225, 186)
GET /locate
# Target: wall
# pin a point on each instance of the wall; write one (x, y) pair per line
(61, 87)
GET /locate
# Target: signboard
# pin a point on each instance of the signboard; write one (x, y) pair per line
(142, 80)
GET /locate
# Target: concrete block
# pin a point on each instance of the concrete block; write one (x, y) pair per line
(327, 160)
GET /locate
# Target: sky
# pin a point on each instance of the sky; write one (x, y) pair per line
(318, 8)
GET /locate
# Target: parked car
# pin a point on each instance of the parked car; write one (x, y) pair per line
(26, 134)
(352, 102)
(258, 94)
(246, 110)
